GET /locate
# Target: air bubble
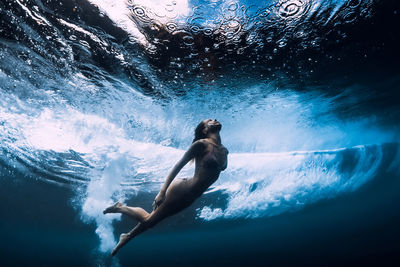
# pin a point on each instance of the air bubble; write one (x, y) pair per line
(233, 7)
(171, 26)
(229, 35)
(350, 17)
(282, 43)
(132, 40)
(188, 40)
(84, 43)
(194, 29)
(140, 13)
(354, 3)
(208, 31)
(169, 8)
(292, 8)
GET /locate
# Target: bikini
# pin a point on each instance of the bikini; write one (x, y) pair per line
(211, 161)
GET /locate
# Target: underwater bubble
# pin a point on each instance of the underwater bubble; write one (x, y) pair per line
(282, 43)
(132, 40)
(233, 6)
(169, 8)
(188, 40)
(354, 3)
(229, 35)
(240, 51)
(299, 34)
(140, 13)
(84, 43)
(171, 26)
(208, 31)
(350, 17)
(194, 29)
(292, 8)
(234, 25)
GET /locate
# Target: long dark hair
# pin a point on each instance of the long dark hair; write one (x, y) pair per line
(198, 132)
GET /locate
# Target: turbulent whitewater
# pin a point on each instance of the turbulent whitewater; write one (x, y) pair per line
(102, 98)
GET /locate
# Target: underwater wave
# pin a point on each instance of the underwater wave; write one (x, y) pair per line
(269, 184)
(101, 98)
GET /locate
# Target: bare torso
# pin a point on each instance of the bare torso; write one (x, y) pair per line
(209, 164)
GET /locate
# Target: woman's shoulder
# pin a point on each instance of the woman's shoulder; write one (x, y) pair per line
(206, 142)
(203, 141)
(199, 144)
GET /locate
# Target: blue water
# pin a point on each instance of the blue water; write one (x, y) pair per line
(99, 99)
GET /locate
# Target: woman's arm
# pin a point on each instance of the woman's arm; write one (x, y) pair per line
(194, 150)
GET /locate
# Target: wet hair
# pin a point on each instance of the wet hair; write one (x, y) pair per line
(198, 132)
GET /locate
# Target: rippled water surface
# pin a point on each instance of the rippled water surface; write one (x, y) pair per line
(99, 99)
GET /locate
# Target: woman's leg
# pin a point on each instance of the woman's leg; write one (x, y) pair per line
(175, 200)
(136, 213)
(124, 238)
(163, 211)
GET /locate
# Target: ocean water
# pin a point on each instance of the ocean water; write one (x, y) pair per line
(100, 98)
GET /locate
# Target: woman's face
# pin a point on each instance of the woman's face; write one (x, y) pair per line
(211, 125)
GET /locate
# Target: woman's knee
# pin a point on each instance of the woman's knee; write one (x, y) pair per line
(155, 217)
(149, 222)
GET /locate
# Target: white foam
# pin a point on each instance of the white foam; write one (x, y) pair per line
(103, 192)
(270, 184)
(257, 184)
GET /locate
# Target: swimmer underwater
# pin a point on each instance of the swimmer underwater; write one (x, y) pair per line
(210, 158)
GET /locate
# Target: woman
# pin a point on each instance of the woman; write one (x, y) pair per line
(210, 159)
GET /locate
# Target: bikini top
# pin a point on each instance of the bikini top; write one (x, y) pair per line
(211, 159)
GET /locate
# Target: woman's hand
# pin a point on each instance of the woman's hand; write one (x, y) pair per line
(159, 199)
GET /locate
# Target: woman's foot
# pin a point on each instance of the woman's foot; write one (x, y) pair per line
(113, 209)
(123, 239)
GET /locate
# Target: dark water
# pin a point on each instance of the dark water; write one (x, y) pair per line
(100, 98)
